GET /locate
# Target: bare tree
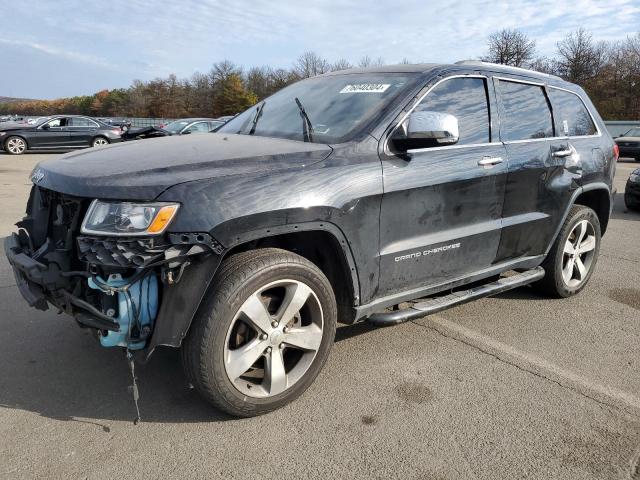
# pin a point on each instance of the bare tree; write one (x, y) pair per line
(341, 64)
(579, 57)
(310, 64)
(510, 47)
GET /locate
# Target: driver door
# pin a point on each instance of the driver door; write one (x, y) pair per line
(441, 213)
(52, 134)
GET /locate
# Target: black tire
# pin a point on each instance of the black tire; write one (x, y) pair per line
(99, 141)
(236, 280)
(15, 145)
(630, 204)
(553, 282)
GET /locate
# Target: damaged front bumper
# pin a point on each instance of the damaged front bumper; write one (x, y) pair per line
(136, 292)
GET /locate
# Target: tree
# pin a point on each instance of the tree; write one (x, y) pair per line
(510, 47)
(232, 97)
(341, 64)
(310, 64)
(579, 57)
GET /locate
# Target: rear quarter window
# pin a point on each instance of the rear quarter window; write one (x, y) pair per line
(525, 111)
(570, 114)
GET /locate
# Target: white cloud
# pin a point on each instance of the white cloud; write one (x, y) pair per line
(146, 39)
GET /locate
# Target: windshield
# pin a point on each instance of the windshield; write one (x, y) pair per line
(175, 127)
(634, 132)
(322, 109)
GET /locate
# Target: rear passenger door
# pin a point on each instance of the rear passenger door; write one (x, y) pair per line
(81, 131)
(537, 185)
(441, 208)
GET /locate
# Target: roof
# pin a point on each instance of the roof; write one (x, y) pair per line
(428, 67)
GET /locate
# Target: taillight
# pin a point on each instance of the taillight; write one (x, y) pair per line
(616, 151)
(117, 131)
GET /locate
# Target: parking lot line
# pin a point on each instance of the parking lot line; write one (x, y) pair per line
(535, 365)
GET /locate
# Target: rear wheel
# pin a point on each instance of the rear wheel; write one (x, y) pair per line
(15, 145)
(573, 256)
(263, 334)
(99, 142)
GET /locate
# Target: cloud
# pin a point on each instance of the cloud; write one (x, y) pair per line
(143, 39)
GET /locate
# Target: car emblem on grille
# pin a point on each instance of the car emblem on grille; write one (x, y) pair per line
(37, 175)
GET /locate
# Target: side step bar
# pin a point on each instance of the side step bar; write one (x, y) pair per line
(438, 304)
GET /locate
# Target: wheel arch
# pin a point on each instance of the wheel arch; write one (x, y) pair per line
(323, 244)
(592, 195)
(599, 200)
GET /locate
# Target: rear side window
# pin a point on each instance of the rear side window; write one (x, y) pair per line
(526, 112)
(81, 122)
(570, 114)
(465, 99)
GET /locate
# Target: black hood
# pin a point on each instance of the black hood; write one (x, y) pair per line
(9, 127)
(143, 169)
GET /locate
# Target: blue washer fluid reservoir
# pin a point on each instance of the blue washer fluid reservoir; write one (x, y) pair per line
(144, 296)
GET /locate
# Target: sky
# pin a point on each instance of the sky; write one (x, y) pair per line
(51, 49)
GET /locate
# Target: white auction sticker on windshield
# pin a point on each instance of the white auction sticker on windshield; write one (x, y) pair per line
(366, 88)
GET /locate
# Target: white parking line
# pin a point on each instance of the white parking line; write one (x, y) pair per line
(538, 366)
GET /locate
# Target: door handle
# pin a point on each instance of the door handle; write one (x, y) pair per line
(563, 153)
(488, 162)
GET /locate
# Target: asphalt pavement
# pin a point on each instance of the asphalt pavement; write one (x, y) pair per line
(515, 386)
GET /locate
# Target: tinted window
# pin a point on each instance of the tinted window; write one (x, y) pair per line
(81, 122)
(571, 116)
(465, 99)
(526, 112)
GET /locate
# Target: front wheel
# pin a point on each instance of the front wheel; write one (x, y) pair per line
(263, 333)
(15, 145)
(573, 256)
(99, 142)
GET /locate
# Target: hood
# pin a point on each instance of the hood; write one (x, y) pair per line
(143, 169)
(9, 126)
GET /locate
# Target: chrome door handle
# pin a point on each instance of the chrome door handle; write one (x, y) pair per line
(489, 162)
(563, 153)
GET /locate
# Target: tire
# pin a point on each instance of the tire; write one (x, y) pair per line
(630, 204)
(564, 278)
(99, 142)
(223, 339)
(15, 145)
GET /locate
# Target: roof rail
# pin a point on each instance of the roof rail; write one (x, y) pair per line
(505, 67)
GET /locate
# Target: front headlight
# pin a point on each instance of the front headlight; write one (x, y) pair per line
(128, 219)
(634, 178)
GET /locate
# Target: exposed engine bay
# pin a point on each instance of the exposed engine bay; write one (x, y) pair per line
(114, 285)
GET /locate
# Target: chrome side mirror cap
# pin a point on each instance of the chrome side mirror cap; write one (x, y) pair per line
(440, 128)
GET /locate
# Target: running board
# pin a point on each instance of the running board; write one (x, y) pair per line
(438, 304)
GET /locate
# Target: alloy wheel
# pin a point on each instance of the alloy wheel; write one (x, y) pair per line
(98, 142)
(578, 254)
(16, 145)
(273, 338)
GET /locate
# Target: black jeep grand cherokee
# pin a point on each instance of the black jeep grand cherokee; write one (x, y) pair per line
(334, 199)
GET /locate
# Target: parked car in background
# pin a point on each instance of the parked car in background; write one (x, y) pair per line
(226, 118)
(629, 144)
(184, 126)
(122, 123)
(62, 132)
(632, 191)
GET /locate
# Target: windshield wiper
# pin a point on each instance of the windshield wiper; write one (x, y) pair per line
(307, 127)
(256, 118)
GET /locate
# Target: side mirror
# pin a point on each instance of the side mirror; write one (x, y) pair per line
(46, 126)
(186, 132)
(426, 129)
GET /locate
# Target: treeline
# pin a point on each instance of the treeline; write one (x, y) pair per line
(608, 71)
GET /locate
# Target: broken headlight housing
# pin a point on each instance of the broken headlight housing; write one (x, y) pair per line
(128, 219)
